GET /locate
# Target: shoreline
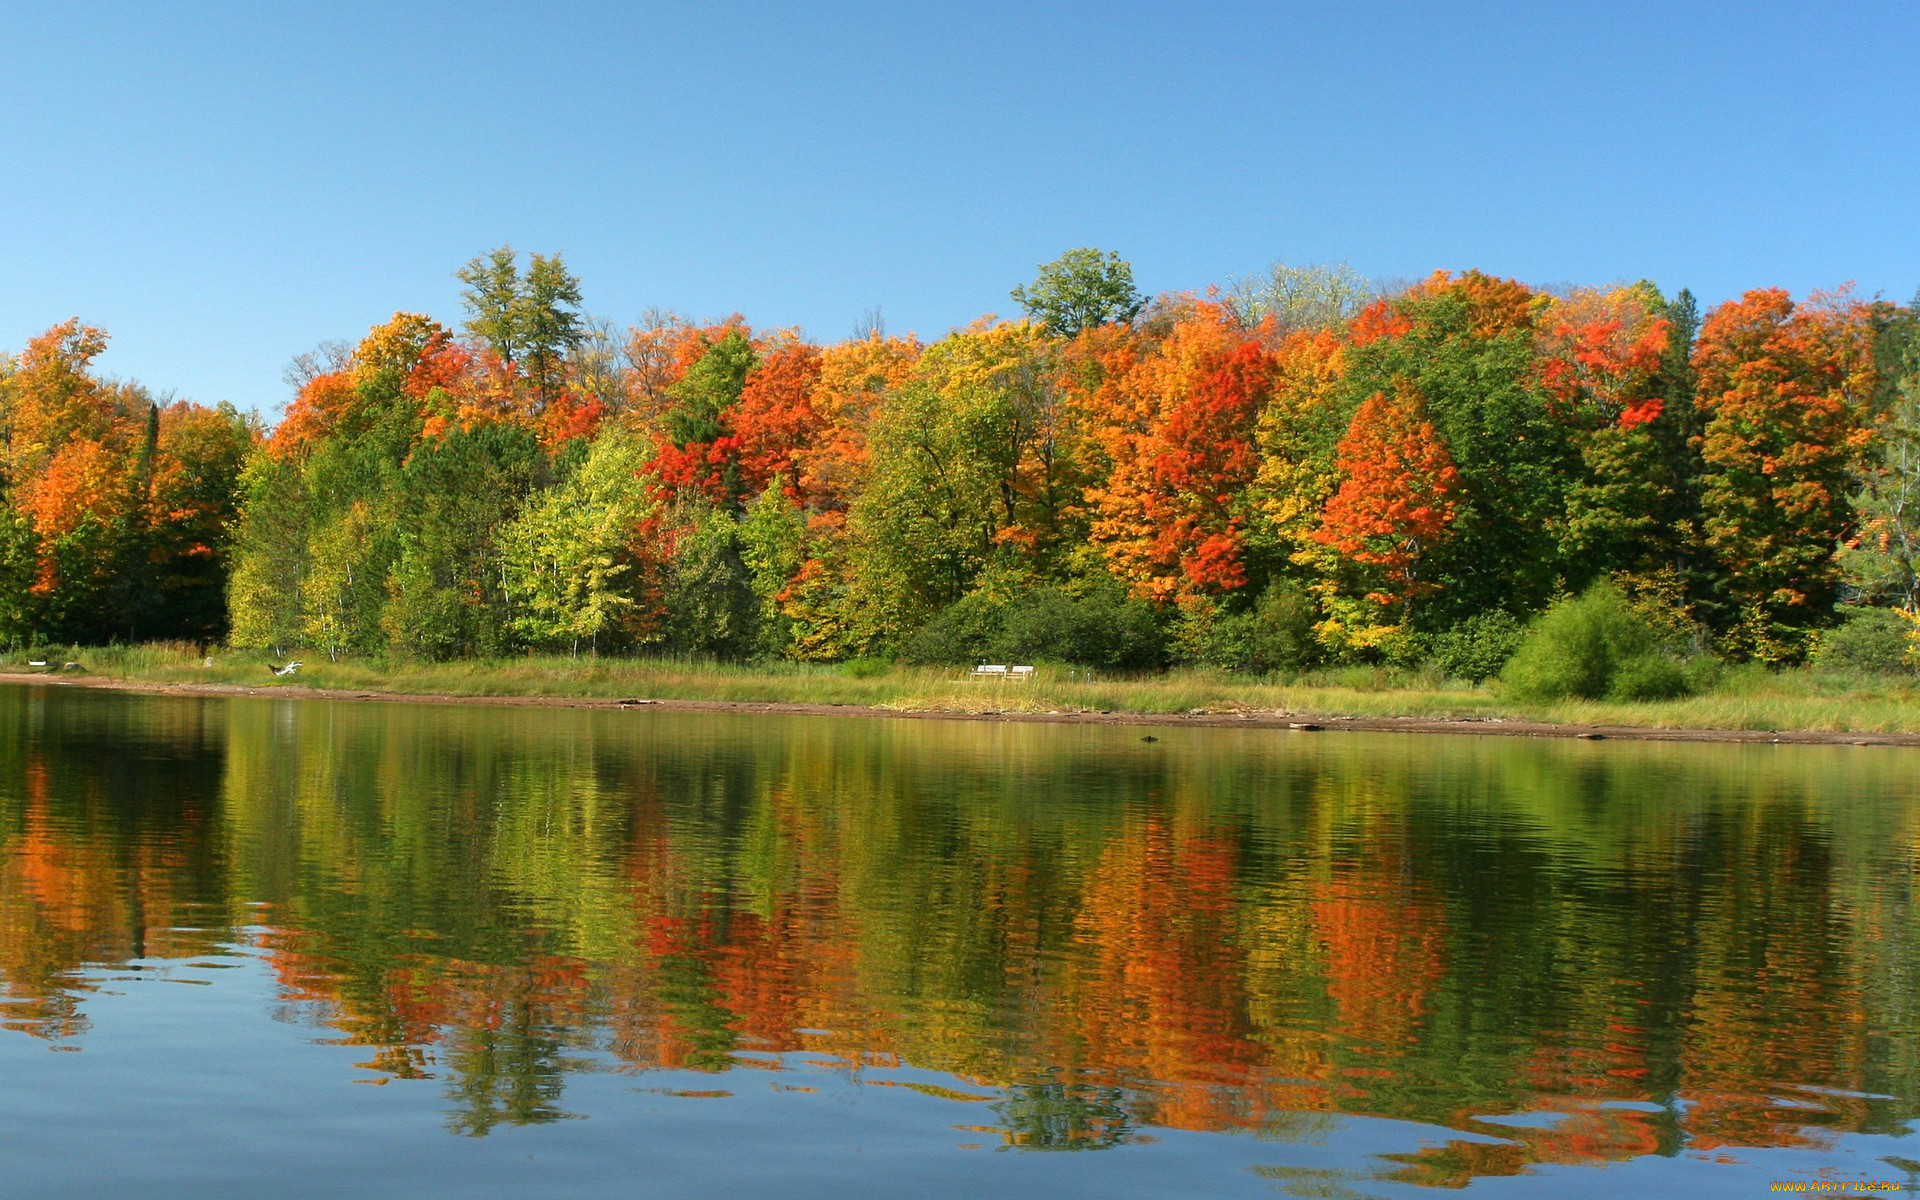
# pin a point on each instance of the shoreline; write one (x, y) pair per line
(1288, 721)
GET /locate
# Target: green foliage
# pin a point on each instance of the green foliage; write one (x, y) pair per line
(460, 492)
(964, 631)
(1590, 647)
(710, 602)
(266, 591)
(1476, 373)
(1103, 628)
(1081, 289)
(1871, 641)
(530, 320)
(700, 400)
(1477, 648)
(1648, 677)
(1276, 634)
(773, 544)
(567, 560)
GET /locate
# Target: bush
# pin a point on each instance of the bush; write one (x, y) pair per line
(962, 632)
(1648, 677)
(1872, 641)
(1478, 647)
(1591, 646)
(1275, 635)
(1102, 628)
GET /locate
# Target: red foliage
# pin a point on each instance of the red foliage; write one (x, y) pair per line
(1397, 499)
(775, 417)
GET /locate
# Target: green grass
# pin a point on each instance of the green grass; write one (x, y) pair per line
(1741, 699)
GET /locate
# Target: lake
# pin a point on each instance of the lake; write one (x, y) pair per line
(257, 947)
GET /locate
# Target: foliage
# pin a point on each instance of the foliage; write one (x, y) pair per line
(1785, 390)
(1591, 647)
(529, 320)
(1288, 300)
(1479, 647)
(569, 558)
(1395, 503)
(1276, 634)
(1291, 474)
(711, 609)
(1881, 559)
(115, 508)
(1082, 289)
(1102, 628)
(1176, 420)
(1871, 641)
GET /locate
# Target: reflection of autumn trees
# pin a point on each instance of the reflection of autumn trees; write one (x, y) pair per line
(87, 880)
(1665, 944)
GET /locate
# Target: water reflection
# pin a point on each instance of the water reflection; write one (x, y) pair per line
(1564, 953)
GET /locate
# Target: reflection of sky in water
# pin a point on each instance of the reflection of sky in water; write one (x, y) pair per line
(922, 958)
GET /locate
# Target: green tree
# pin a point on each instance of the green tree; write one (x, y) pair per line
(1466, 345)
(710, 602)
(773, 545)
(270, 556)
(568, 557)
(1881, 562)
(1081, 289)
(458, 492)
(530, 321)
(492, 299)
(700, 401)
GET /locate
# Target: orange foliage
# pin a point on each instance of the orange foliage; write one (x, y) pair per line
(1785, 392)
(853, 377)
(1176, 421)
(1397, 499)
(1597, 350)
(1494, 306)
(775, 417)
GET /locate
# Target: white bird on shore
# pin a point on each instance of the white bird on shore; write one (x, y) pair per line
(289, 669)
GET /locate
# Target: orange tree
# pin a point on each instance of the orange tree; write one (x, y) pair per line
(1785, 391)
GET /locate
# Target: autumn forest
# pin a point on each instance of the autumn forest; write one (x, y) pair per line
(1295, 469)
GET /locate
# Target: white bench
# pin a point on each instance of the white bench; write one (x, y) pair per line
(1001, 671)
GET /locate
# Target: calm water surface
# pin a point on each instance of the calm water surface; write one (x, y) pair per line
(290, 948)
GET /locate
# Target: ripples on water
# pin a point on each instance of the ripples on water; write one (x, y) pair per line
(846, 957)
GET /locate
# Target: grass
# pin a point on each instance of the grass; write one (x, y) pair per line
(1743, 698)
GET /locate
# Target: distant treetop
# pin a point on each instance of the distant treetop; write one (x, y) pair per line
(1081, 289)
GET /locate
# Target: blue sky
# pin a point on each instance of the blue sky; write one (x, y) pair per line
(221, 188)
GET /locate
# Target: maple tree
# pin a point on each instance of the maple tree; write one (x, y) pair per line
(1784, 391)
(1176, 421)
(1396, 499)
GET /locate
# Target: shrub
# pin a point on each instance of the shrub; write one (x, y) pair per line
(1872, 641)
(1648, 677)
(1478, 647)
(1591, 646)
(1101, 628)
(1275, 635)
(962, 632)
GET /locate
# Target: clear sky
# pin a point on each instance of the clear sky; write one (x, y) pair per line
(224, 186)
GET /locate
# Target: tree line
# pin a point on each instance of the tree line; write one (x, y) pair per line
(1292, 470)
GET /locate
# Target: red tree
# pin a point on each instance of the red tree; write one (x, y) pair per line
(1397, 497)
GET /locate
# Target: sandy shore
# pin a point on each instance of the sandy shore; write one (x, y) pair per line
(1298, 722)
